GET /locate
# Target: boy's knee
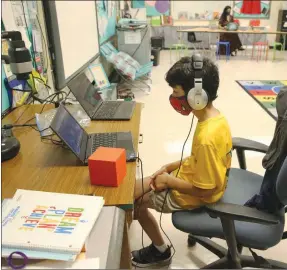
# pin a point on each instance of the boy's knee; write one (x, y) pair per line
(140, 210)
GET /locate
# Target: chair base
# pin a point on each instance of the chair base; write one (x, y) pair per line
(225, 261)
(245, 261)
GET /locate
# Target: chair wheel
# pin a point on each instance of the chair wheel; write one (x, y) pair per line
(191, 241)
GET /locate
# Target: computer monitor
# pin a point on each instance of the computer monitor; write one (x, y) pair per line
(73, 36)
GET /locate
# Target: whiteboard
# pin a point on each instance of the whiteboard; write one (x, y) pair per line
(73, 34)
(200, 7)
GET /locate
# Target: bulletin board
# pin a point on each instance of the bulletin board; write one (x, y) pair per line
(153, 8)
(107, 11)
(245, 9)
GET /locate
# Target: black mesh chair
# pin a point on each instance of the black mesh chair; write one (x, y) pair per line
(196, 44)
(239, 225)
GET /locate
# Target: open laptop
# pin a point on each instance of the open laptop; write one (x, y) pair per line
(83, 144)
(97, 109)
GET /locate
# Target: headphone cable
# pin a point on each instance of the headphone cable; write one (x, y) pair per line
(172, 246)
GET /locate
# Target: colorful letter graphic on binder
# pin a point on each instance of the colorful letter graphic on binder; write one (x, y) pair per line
(60, 221)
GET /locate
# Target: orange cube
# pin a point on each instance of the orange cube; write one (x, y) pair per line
(107, 166)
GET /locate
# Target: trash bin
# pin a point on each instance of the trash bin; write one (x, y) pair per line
(155, 56)
(157, 42)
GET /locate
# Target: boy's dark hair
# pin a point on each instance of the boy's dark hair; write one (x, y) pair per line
(182, 73)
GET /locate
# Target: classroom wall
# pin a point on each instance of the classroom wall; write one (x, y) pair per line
(271, 23)
(197, 6)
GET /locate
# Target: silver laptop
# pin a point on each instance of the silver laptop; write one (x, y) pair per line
(97, 109)
(83, 144)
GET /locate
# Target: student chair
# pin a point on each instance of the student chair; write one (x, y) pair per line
(261, 48)
(227, 50)
(180, 50)
(275, 45)
(239, 225)
(108, 49)
(196, 44)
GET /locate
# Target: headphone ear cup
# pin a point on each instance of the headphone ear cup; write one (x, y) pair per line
(197, 101)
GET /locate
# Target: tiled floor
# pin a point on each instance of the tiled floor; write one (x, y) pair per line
(164, 132)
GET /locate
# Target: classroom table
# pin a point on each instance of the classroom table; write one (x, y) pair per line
(249, 32)
(43, 166)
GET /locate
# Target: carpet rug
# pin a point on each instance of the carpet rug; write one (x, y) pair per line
(264, 92)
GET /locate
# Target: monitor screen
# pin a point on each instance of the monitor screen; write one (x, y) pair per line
(73, 36)
(85, 92)
(68, 129)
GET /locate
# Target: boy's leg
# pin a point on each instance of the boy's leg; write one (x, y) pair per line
(158, 252)
(144, 216)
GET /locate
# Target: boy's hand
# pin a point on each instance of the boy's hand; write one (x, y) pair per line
(159, 172)
(160, 183)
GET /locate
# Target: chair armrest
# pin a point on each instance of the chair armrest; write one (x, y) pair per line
(241, 213)
(245, 144)
(240, 145)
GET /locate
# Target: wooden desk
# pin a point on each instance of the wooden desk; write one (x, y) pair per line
(47, 167)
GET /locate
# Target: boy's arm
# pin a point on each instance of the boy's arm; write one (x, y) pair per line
(174, 165)
(187, 188)
(208, 172)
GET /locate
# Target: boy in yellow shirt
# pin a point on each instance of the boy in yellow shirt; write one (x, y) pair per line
(202, 177)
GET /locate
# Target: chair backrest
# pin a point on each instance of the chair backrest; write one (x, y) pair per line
(273, 193)
(281, 184)
(191, 36)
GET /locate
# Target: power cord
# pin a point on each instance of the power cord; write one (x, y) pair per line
(22, 112)
(146, 30)
(53, 96)
(143, 193)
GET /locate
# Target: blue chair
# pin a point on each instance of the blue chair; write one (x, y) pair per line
(239, 225)
(227, 45)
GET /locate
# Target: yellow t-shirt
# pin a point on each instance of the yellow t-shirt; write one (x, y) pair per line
(209, 163)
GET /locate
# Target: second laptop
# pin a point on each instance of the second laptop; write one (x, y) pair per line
(91, 101)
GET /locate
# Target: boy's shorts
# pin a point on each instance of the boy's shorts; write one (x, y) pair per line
(156, 200)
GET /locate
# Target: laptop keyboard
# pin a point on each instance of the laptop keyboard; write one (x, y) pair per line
(108, 110)
(104, 139)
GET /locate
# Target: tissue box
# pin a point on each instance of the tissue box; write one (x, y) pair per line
(107, 166)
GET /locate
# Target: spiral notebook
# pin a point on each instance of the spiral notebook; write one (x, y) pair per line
(44, 221)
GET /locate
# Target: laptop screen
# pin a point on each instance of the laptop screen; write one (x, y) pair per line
(85, 92)
(68, 129)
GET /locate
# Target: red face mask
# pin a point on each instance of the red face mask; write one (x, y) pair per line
(180, 104)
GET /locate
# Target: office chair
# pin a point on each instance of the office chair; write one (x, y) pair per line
(239, 225)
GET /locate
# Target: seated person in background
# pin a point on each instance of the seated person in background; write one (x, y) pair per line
(235, 43)
(201, 178)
